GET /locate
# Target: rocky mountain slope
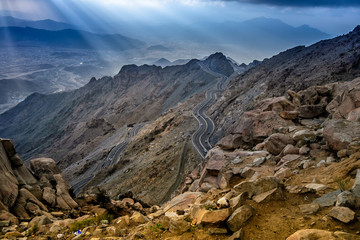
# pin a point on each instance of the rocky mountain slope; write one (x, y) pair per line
(327, 61)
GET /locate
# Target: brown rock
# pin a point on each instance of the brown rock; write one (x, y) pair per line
(214, 216)
(304, 150)
(342, 214)
(98, 210)
(8, 181)
(33, 209)
(63, 198)
(237, 201)
(272, 195)
(289, 115)
(255, 126)
(182, 201)
(354, 115)
(8, 147)
(230, 142)
(5, 215)
(277, 142)
(128, 202)
(13, 235)
(283, 173)
(44, 167)
(239, 235)
(306, 135)
(313, 234)
(259, 186)
(277, 104)
(340, 133)
(309, 208)
(290, 149)
(138, 218)
(49, 196)
(40, 220)
(311, 111)
(239, 217)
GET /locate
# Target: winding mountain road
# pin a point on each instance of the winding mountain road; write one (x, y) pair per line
(201, 137)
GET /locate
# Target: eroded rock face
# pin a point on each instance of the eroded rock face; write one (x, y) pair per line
(22, 193)
(339, 133)
(255, 126)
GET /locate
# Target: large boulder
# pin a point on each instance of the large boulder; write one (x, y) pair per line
(261, 185)
(208, 217)
(255, 126)
(277, 104)
(346, 100)
(277, 142)
(44, 167)
(63, 198)
(317, 234)
(339, 133)
(239, 217)
(8, 180)
(230, 142)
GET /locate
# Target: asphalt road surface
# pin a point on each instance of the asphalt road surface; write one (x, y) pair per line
(201, 137)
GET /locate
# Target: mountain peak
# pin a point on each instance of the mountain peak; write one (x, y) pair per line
(357, 29)
(219, 63)
(217, 55)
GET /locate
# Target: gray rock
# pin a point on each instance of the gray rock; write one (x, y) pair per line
(239, 235)
(322, 163)
(306, 135)
(40, 220)
(258, 161)
(330, 160)
(328, 199)
(309, 208)
(238, 219)
(356, 187)
(346, 199)
(275, 194)
(342, 214)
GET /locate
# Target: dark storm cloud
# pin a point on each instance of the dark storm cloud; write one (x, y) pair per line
(303, 3)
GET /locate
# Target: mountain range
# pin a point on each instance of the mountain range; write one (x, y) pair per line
(46, 24)
(70, 126)
(68, 38)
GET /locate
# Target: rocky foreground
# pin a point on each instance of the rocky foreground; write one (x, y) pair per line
(289, 169)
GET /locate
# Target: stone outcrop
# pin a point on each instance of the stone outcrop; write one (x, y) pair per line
(20, 190)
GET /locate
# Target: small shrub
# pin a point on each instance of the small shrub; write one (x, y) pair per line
(33, 230)
(157, 228)
(90, 221)
(187, 218)
(209, 207)
(102, 198)
(343, 184)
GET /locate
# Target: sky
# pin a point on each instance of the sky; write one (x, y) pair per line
(330, 16)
